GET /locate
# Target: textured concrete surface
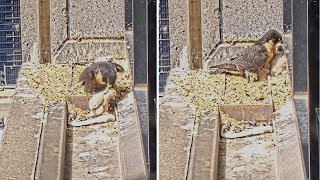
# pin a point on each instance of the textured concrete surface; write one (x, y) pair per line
(21, 139)
(19, 148)
(87, 51)
(59, 24)
(179, 29)
(301, 107)
(210, 22)
(29, 27)
(51, 159)
(289, 145)
(204, 159)
(253, 157)
(175, 134)
(131, 145)
(92, 152)
(96, 18)
(176, 123)
(250, 19)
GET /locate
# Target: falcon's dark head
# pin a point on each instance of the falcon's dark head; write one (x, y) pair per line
(86, 75)
(272, 35)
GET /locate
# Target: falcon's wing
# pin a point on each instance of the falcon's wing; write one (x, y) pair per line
(252, 58)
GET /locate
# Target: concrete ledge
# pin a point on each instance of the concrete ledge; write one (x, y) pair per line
(176, 126)
(204, 159)
(21, 140)
(52, 151)
(87, 51)
(131, 145)
(290, 160)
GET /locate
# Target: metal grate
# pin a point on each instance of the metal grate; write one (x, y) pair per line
(10, 41)
(164, 45)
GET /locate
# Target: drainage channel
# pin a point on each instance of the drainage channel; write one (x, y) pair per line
(111, 150)
(92, 152)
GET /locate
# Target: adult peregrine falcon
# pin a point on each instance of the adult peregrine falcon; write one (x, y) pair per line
(251, 59)
(99, 75)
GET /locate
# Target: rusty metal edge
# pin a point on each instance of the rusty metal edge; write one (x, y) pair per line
(245, 109)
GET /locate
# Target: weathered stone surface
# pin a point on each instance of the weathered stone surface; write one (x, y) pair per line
(92, 152)
(289, 145)
(210, 26)
(96, 18)
(176, 125)
(204, 161)
(87, 51)
(20, 143)
(29, 27)
(179, 28)
(252, 157)
(59, 26)
(175, 133)
(131, 143)
(250, 19)
(52, 151)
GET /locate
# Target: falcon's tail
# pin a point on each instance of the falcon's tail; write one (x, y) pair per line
(118, 67)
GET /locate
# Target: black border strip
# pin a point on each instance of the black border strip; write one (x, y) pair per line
(313, 85)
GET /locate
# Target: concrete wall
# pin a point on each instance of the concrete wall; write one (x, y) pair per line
(29, 27)
(68, 20)
(179, 30)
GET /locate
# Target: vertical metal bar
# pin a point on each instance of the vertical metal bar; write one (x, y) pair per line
(128, 15)
(195, 58)
(44, 29)
(152, 86)
(287, 15)
(140, 41)
(299, 23)
(313, 85)
(5, 74)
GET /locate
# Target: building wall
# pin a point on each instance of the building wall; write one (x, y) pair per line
(72, 22)
(221, 22)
